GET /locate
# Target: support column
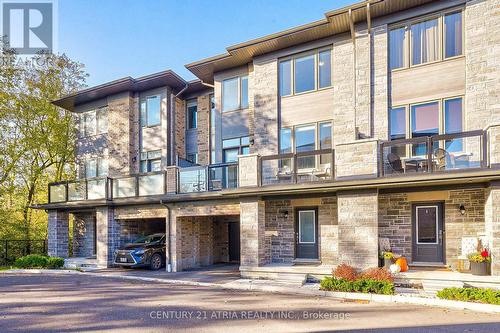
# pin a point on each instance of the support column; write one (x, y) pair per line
(358, 228)
(492, 225)
(58, 233)
(252, 232)
(108, 236)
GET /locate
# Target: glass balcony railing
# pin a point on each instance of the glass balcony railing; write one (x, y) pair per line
(77, 190)
(437, 153)
(303, 167)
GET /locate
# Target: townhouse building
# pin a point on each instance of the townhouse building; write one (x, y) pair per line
(301, 150)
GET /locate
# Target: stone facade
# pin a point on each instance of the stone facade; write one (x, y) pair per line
(58, 227)
(108, 235)
(120, 109)
(203, 129)
(84, 225)
(358, 159)
(358, 228)
(252, 231)
(492, 224)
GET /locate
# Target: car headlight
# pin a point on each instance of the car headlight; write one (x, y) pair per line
(139, 252)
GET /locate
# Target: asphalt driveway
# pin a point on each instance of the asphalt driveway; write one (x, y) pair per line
(86, 303)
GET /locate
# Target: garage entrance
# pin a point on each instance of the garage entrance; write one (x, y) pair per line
(207, 240)
(131, 229)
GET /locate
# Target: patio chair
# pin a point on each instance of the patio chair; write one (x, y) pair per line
(395, 163)
(442, 159)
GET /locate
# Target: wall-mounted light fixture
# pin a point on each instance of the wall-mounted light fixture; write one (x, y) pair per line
(284, 213)
(462, 209)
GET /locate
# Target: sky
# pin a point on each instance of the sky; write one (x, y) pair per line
(118, 38)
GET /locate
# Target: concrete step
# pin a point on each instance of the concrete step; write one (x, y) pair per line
(80, 263)
(279, 277)
(431, 287)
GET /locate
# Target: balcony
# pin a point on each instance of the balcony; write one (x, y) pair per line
(432, 154)
(296, 168)
(356, 160)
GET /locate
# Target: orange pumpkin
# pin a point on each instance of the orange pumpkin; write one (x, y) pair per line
(402, 263)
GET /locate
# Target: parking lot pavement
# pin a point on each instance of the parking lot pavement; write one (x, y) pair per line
(84, 303)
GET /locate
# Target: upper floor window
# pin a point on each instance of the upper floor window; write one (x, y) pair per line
(426, 119)
(431, 40)
(94, 122)
(150, 111)
(234, 147)
(150, 161)
(235, 93)
(192, 114)
(96, 167)
(306, 72)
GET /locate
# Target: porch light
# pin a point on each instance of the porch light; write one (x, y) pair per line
(462, 209)
(284, 213)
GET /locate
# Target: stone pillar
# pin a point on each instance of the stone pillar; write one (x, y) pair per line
(357, 159)
(58, 233)
(83, 234)
(108, 236)
(493, 142)
(172, 179)
(492, 224)
(248, 170)
(252, 232)
(358, 228)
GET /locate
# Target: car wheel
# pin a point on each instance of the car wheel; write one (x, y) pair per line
(156, 262)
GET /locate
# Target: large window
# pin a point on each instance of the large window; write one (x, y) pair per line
(150, 111)
(426, 119)
(94, 122)
(305, 72)
(234, 147)
(96, 167)
(453, 34)
(423, 41)
(285, 140)
(192, 114)
(305, 138)
(235, 93)
(151, 161)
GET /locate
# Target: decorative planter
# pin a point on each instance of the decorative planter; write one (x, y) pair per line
(480, 268)
(387, 263)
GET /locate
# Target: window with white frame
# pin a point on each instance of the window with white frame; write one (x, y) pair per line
(443, 116)
(96, 167)
(235, 93)
(150, 161)
(94, 122)
(151, 111)
(305, 72)
(421, 41)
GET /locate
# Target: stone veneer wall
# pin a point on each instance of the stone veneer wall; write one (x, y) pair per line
(395, 216)
(83, 234)
(280, 230)
(57, 233)
(180, 128)
(203, 128)
(492, 225)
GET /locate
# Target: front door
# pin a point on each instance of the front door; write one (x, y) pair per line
(428, 233)
(306, 233)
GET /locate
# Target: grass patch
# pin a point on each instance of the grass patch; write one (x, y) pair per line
(477, 295)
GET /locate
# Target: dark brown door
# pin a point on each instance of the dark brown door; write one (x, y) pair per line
(306, 233)
(428, 233)
(234, 241)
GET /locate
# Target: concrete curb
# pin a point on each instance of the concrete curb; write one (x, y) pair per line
(269, 287)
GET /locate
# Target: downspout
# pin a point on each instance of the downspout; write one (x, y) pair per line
(169, 233)
(207, 84)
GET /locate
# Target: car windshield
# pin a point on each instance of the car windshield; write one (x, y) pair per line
(148, 239)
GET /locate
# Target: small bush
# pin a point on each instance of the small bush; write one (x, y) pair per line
(377, 274)
(480, 295)
(39, 261)
(345, 272)
(360, 285)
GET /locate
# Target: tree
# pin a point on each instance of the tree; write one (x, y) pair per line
(37, 144)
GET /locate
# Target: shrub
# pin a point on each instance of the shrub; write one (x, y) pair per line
(359, 285)
(39, 261)
(346, 272)
(387, 255)
(55, 262)
(377, 274)
(480, 295)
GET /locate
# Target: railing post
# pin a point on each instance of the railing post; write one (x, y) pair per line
(136, 185)
(429, 154)
(86, 189)
(295, 169)
(484, 147)
(66, 191)
(332, 171)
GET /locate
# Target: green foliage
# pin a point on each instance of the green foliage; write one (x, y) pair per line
(38, 261)
(387, 255)
(477, 257)
(37, 141)
(480, 295)
(361, 285)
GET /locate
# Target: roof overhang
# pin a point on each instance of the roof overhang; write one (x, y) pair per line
(335, 22)
(165, 78)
